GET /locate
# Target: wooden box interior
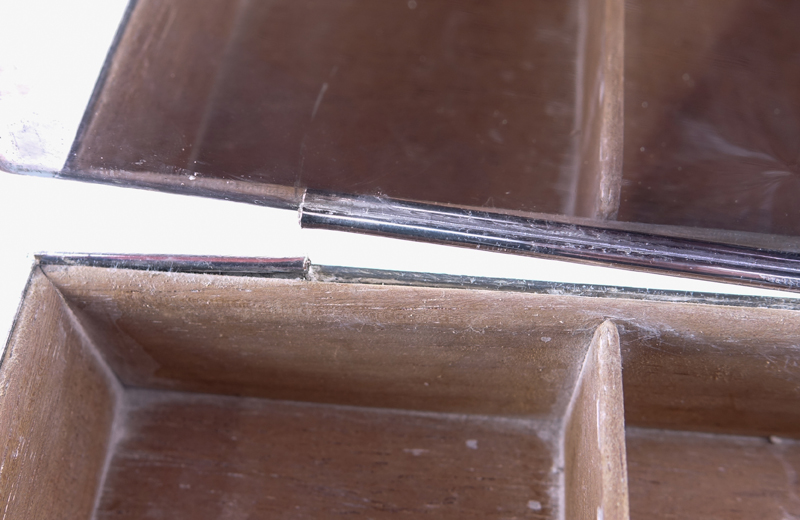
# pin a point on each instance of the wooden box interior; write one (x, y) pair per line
(138, 394)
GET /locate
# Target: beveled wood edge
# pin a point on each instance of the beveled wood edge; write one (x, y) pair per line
(595, 466)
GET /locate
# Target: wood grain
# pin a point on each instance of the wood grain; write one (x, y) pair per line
(462, 402)
(595, 472)
(718, 370)
(203, 457)
(56, 409)
(714, 477)
(686, 366)
(368, 345)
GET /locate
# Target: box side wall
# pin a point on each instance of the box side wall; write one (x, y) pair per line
(57, 405)
(416, 348)
(159, 80)
(688, 366)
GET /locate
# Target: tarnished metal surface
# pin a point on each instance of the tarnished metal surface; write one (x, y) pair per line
(520, 235)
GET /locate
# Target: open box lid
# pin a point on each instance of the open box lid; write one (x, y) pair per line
(656, 137)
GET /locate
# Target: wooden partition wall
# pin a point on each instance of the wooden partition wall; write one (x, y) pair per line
(136, 394)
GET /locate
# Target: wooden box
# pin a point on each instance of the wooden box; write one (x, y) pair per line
(650, 135)
(144, 394)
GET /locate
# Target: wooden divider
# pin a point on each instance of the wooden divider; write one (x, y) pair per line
(595, 469)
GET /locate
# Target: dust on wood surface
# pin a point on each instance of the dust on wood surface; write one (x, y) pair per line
(714, 477)
(199, 456)
(56, 410)
(686, 366)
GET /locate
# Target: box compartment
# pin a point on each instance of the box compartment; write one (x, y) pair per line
(219, 396)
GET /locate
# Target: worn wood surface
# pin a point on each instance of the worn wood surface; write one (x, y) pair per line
(208, 457)
(714, 477)
(57, 405)
(719, 370)
(413, 348)
(595, 472)
(512, 359)
(686, 366)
